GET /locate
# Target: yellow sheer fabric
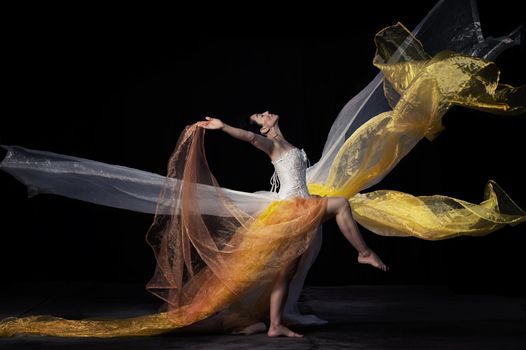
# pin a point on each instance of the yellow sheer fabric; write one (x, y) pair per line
(392, 213)
(226, 264)
(422, 89)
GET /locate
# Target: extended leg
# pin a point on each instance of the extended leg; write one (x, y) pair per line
(340, 208)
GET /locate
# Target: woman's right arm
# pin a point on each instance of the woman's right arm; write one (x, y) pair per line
(258, 141)
(238, 133)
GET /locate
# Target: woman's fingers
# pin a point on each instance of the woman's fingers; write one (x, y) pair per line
(205, 123)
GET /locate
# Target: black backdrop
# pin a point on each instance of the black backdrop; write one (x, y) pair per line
(122, 92)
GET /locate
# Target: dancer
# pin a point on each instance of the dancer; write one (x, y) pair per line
(219, 251)
(284, 156)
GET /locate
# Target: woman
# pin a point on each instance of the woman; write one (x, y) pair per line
(274, 144)
(224, 254)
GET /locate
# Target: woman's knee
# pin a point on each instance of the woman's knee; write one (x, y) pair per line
(335, 205)
(342, 204)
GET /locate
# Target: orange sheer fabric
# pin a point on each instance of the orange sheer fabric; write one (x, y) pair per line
(223, 264)
(205, 261)
(206, 264)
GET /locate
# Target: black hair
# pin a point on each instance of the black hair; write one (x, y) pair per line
(249, 124)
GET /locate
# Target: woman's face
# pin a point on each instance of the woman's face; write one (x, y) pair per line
(266, 120)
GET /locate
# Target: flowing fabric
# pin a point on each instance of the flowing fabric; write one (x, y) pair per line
(424, 88)
(218, 250)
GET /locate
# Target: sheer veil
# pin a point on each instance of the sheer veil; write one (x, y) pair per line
(406, 71)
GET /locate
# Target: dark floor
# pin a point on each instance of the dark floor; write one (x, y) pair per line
(361, 317)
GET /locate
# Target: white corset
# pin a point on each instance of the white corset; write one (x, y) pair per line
(291, 174)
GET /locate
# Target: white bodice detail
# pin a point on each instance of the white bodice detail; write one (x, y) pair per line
(291, 174)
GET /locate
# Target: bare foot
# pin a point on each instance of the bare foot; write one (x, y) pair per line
(276, 331)
(370, 257)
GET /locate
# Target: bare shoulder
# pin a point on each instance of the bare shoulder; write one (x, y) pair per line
(262, 143)
(273, 149)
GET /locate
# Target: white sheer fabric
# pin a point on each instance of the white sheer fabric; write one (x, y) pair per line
(133, 189)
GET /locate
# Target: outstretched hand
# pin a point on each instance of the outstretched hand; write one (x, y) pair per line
(211, 123)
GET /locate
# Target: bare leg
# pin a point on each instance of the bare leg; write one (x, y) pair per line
(339, 207)
(278, 296)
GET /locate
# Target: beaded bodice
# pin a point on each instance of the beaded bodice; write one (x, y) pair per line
(290, 174)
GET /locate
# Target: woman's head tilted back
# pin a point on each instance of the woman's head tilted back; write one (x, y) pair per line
(262, 122)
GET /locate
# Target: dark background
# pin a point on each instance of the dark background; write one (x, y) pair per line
(121, 92)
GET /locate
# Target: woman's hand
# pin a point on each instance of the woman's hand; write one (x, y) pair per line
(211, 123)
